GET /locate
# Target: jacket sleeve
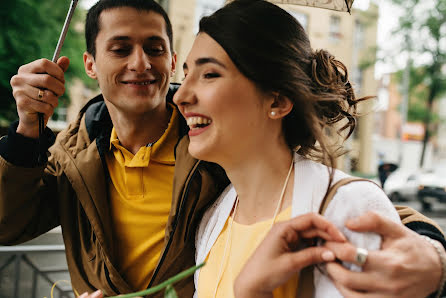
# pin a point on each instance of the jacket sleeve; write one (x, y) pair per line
(422, 225)
(28, 188)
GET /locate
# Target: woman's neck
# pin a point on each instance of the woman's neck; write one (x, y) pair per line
(259, 180)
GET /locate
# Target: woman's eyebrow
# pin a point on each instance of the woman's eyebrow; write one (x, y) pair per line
(205, 60)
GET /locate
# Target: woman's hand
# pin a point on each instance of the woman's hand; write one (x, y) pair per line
(277, 258)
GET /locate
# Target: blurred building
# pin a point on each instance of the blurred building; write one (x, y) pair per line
(399, 142)
(350, 38)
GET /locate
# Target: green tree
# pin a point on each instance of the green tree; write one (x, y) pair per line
(30, 30)
(425, 37)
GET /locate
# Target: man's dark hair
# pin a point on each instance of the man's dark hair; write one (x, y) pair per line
(92, 26)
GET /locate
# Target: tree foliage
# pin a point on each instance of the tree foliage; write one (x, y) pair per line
(30, 30)
(423, 26)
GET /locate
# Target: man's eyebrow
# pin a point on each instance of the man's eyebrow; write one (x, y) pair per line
(205, 60)
(125, 38)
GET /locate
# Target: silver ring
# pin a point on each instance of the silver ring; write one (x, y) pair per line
(361, 256)
(40, 95)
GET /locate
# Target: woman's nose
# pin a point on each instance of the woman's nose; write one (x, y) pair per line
(184, 95)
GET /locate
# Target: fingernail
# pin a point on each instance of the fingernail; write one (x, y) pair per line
(342, 236)
(328, 256)
(96, 294)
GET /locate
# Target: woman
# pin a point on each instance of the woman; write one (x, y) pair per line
(260, 103)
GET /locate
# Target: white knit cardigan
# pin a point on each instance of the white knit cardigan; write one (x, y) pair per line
(310, 183)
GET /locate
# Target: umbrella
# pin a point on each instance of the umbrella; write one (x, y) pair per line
(340, 5)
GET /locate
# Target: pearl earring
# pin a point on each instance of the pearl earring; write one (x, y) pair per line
(273, 113)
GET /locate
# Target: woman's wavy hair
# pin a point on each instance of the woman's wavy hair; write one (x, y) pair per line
(271, 48)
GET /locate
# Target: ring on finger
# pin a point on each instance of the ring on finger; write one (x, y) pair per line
(361, 256)
(40, 95)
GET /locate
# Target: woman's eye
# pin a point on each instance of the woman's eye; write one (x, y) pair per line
(211, 75)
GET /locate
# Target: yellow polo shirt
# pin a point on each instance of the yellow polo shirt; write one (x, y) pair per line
(140, 198)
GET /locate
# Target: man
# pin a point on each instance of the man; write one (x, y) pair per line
(108, 179)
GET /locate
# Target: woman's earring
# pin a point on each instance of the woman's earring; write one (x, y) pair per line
(273, 113)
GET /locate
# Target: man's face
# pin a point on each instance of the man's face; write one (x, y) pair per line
(133, 62)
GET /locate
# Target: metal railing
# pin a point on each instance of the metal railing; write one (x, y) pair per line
(18, 255)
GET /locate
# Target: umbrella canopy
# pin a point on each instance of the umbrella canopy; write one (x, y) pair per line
(340, 5)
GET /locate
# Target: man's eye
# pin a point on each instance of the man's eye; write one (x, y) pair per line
(211, 75)
(120, 51)
(155, 51)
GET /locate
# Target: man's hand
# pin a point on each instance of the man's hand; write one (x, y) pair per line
(277, 258)
(38, 75)
(97, 294)
(406, 265)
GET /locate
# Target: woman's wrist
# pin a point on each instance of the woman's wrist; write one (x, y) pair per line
(244, 289)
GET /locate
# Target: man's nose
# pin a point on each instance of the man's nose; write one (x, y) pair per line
(139, 60)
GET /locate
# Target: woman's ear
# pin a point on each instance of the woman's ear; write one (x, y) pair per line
(280, 106)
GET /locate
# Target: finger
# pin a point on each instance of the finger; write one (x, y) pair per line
(306, 257)
(97, 294)
(373, 222)
(346, 252)
(357, 281)
(313, 220)
(42, 81)
(350, 293)
(33, 106)
(46, 95)
(44, 66)
(315, 233)
(63, 63)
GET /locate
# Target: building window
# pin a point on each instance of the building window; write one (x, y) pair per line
(301, 17)
(335, 29)
(205, 8)
(359, 35)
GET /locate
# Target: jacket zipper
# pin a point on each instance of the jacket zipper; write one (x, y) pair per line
(174, 225)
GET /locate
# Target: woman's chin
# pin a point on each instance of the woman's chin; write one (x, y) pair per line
(200, 152)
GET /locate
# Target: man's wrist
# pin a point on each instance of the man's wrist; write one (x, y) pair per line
(27, 131)
(442, 256)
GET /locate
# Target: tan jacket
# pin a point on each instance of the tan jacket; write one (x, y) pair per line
(71, 191)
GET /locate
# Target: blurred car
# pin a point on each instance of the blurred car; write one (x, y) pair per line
(402, 185)
(432, 188)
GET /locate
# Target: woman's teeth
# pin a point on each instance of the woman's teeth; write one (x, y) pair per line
(198, 122)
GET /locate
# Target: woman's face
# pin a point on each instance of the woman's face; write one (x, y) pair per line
(226, 113)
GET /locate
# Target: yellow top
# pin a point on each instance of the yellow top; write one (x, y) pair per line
(140, 198)
(244, 240)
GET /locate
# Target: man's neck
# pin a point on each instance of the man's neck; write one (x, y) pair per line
(138, 130)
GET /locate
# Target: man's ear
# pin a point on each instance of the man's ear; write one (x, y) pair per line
(173, 64)
(280, 106)
(90, 65)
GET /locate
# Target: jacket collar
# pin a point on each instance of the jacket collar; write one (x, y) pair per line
(99, 124)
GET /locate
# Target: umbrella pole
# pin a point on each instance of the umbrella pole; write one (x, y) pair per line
(56, 54)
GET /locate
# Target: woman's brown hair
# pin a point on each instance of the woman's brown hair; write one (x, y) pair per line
(271, 48)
